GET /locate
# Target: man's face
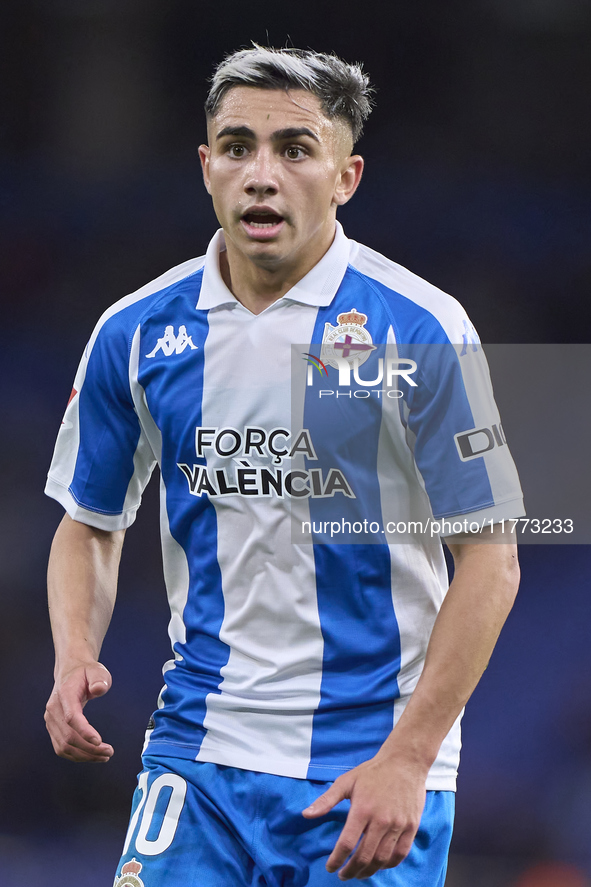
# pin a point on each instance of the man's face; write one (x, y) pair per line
(277, 168)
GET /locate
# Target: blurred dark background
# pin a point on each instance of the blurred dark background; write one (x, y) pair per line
(478, 178)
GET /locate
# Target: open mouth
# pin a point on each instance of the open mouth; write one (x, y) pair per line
(262, 220)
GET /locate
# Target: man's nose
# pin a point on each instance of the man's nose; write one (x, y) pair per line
(262, 173)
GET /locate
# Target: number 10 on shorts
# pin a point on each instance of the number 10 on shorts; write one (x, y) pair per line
(163, 823)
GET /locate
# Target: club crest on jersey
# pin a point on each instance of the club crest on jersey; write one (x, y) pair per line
(129, 876)
(171, 344)
(349, 340)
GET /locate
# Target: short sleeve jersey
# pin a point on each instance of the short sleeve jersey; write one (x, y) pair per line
(293, 658)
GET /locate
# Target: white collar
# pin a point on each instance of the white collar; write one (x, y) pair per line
(318, 287)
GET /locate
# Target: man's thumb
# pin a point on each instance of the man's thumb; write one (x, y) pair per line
(325, 802)
(98, 679)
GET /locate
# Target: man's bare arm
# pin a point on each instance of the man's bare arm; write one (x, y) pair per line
(82, 586)
(388, 792)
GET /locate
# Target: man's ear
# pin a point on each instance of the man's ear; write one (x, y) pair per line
(204, 153)
(349, 179)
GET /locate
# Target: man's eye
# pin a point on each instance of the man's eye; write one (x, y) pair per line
(237, 150)
(294, 152)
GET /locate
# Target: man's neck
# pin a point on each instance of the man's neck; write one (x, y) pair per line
(256, 287)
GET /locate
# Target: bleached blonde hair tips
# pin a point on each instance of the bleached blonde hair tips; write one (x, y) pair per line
(343, 89)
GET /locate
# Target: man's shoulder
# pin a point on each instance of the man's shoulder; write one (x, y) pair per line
(399, 285)
(130, 310)
(398, 279)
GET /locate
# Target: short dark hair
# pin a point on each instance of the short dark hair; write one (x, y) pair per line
(344, 89)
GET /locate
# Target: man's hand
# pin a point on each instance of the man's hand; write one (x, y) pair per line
(388, 792)
(82, 586)
(387, 800)
(71, 734)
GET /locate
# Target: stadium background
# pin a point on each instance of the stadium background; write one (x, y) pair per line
(477, 179)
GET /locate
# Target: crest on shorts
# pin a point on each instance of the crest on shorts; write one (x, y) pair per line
(129, 876)
(349, 340)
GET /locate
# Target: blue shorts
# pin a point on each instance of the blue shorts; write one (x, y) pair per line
(203, 825)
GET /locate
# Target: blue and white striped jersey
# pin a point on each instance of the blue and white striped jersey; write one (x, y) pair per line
(291, 658)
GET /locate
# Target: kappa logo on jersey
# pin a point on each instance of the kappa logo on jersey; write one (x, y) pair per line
(171, 344)
(469, 338)
(349, 340)
(129, 875)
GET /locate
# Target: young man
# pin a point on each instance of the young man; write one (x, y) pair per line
(309, 721)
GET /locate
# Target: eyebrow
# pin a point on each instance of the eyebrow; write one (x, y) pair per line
(279, 135)
(243, 131)
(293, 132)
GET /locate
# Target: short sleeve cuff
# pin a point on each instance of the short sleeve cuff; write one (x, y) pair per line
(512, 508)
(84, 515)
